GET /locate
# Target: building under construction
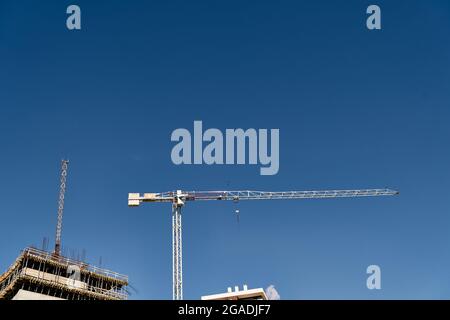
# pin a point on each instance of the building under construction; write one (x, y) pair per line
(41, 275)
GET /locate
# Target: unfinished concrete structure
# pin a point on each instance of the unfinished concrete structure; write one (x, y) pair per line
(40, 275)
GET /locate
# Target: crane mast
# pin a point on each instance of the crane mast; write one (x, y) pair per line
(177, 253)
(178, 199)
(62, 192)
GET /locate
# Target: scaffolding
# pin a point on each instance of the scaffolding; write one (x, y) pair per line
(45, 273)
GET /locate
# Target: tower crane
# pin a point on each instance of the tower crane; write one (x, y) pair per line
(179, 198)
(62, 192)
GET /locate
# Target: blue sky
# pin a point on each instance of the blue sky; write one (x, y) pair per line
(355, 109)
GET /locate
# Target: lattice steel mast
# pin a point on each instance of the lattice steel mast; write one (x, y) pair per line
(62, 192)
